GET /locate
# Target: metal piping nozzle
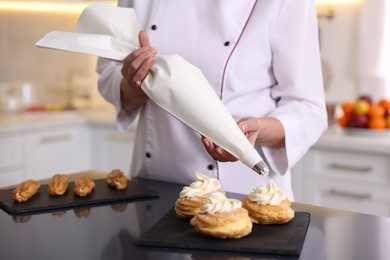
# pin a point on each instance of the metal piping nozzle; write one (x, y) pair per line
(261, 168)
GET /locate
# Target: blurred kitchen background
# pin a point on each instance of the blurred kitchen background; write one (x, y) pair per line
(31, 76)
(52, 118)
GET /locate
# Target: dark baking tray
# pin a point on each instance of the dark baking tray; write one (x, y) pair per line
(284, 239)
(101, 194)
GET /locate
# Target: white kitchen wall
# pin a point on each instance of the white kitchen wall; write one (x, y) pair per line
(53, 73)
(339, 48)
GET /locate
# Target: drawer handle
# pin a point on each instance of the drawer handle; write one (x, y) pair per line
(361, 169)
(120, 137)
(55, 138)
(353, 195)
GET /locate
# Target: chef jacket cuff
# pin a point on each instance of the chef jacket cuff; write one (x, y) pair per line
(124, 120)
(276, 159)
(283, 159)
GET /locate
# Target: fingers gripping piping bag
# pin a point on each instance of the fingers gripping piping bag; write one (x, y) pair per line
(173, 84)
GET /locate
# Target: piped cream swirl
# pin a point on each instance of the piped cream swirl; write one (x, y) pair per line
(202, 186)
(268, 194)
(217, 202)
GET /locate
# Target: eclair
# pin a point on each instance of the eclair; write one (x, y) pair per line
(84, 186)
(117, 179)
(25, 190)
(58, 184)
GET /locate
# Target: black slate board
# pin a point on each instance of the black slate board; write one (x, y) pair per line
(284, 239)
(101, 194)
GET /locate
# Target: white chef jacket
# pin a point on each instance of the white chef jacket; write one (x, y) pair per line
(261, 58)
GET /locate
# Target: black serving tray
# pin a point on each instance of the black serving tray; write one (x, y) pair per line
(282, 239)
(101, 194)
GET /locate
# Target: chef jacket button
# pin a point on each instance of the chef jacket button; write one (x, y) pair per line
(210, 167)
(227, 43)
(153, 27)
(148, 155)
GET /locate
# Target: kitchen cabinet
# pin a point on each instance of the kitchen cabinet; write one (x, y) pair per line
(40, 152)
(40, 146)
(346, 172)
(111, 149)
(11, 159)
(57, 150)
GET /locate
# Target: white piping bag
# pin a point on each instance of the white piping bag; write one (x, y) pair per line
(173, 83)
(182, 90)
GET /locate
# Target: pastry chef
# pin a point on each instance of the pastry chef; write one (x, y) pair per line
(261, 58)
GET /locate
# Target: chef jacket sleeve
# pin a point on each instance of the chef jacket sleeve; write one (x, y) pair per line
(109, 87)
(109, 84)
(299, 91)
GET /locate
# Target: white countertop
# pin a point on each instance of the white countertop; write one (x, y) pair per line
(360, 140)
(37, 120)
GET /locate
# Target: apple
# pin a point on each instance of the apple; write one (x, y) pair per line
(357, 121)
(361, 107)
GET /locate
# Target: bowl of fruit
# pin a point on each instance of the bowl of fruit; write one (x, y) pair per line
(363, 116)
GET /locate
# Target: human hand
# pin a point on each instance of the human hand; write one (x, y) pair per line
(250, 126)
(216, 152)
(137, 64)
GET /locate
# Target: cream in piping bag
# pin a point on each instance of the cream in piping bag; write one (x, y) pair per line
(173, 83)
